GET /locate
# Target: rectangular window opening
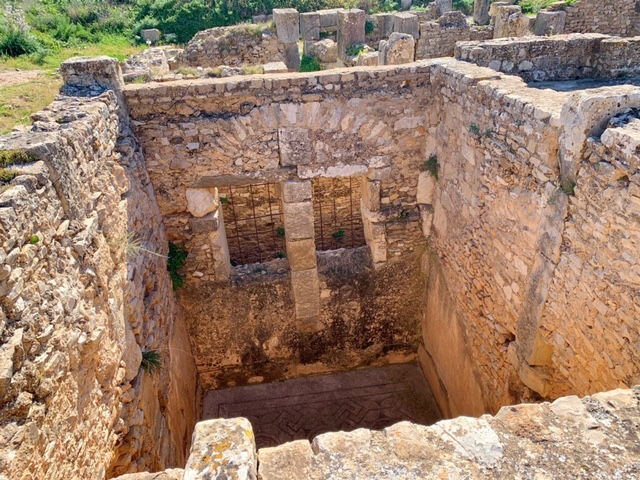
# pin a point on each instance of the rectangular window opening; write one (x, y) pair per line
(337, 216)
(253, 223)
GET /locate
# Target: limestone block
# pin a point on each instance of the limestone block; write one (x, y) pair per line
(201, 201)
(86, 71)
(371, 194)
(222, 448)
(426, 187)
(301, 254)
(326, 51)
(481, 12)
(405, 4)
(476, 437)
(350, 30)
(284, 462)
(550, 23)
(275, 67)
(292, 56)
(444, 6)
(294, 192)
(375, 236)
(385, 23)
(220, 249)
(368, 60)
(306, 293)
(298, 220)
(296, 147)
(328, 18)
(399, 49)
(287, 22)
(131, 353)
(426, 219)
(405, 22)
(209, 223)
(150, 35)
(310, 26)
(493, 8)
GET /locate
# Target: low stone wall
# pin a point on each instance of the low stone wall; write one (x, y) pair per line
(562, 57)
(580, 432)
(240, 45)
(84, 291)
(613, 17)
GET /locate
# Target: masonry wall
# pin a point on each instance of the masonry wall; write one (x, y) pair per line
(613, 17)
(77, 309)
(494, 217)
(245, 44)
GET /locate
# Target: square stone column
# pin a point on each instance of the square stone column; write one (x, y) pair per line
(350, 30)
(287, 21)
(375, 232)
(301, 251)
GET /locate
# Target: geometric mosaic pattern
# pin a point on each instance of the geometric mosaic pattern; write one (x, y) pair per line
(304, 408)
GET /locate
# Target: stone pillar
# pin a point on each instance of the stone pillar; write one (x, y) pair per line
(399, 49)
(350, 30)
(445, 6)
(550, 23)
(405, 4)
(301, 252)
(481, 12)
(287, 21)
(374, 226)
(424, 199)
(385, 24)
(207, 221)
(309, 29)
(405, 22)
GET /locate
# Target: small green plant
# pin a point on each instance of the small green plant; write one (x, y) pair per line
(432, 166)
(568, 186)
(151, 361)
(474, 129)
(369, 27)
(488, 132)
(281, 254)
(224, 200)
(404, 214)
(338, 233)
(175, 261)
(356, 49)
(233, 262)
(34, 239)
(259, 270)
(280, 231)
(309, 64)
(12, 157)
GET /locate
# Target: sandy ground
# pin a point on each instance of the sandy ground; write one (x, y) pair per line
(14, 77)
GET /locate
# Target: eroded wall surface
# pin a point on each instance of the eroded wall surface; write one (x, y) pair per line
(614, 17)
(84, 290)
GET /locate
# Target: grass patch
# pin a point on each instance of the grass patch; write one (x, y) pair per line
(176, 260)
(356, 49)
(309, 64)
(151, 361)
(432, 166)
(568, 186)
(12, 157)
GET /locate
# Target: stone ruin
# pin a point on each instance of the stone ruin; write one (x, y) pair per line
(474, 218)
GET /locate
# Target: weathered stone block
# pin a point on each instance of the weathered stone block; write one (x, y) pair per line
(207, 223)
(295, 192)
(405, 4)
(444, 6)
(291, 460)
(301, 254)
(385, 23)
(326, 51)
(550, 23)
(150, 35)
(287, 22)
(426, 187)
(371, 194)
(306, 293)
(329, 18)
(201, 201)
(222, 448)
(350, 30)
(298, 220)
(296, 147)
(368, 60)
(275, 67)
(310, 26)
(292, 57)
(220, 250)
(405, 22)
(481, 12)
(86, 71)
(399, 49)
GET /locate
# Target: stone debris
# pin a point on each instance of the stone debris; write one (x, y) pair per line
(399, 49)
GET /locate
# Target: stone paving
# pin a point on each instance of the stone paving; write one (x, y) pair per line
(304, 408)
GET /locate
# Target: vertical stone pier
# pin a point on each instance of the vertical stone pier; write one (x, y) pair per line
(350, 30)
(287, 22)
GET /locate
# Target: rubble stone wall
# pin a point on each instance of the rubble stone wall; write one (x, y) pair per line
(613, 17)
(80, 301)
(236, 46)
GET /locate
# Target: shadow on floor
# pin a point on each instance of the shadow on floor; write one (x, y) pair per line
(373, 398)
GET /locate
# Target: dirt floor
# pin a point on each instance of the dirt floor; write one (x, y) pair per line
(373, 398)
(15, 77)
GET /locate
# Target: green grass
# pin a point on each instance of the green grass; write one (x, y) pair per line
(151, 361)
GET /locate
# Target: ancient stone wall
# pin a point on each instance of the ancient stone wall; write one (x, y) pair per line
(613, 17)
(561, 57)
(240, 45)
(84, 291)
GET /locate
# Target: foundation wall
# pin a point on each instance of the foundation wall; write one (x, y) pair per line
(77, 309)
(614, 17)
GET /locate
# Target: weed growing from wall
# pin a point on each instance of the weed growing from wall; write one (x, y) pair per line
(151, 361)
(431, 166)
(175, 261)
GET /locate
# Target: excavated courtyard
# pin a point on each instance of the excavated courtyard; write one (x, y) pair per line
(422, 268)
